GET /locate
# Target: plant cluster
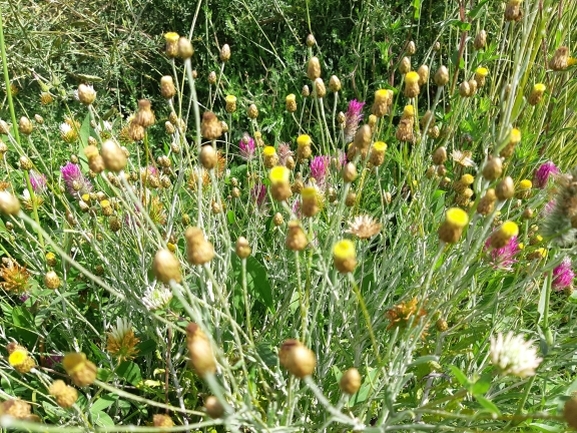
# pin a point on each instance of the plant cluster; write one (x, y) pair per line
(402, 262)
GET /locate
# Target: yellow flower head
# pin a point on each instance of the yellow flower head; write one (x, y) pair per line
(525, 184)
(509, 229)
(291, 98)
(231, 99)
(380, 146)
(73, 361)
(344, 249)
(304, 140)
(279, 174)
(467, 179)
(539, 88)
(481, 71)
(409, 111)
(308, 192)
(17, 357)
(515, 136)
(411, 77)
(105, 203)
(269, 151)
(171, 37)
(457, 217)
(382, 96)
(571, 61)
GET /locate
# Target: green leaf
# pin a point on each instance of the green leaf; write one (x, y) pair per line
(417, 6)
(460, 376)
(130, 372)
(257, 282)
(101, 419)
(480, 387)
(488, 404)
(103, 402)
(84, 133)
(366, 388)
(146, 347)
(473, 13)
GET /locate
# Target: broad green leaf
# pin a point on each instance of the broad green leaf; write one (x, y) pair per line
(130, 372)
(460, 376)
(488, 404)
(101, 419)
(103, 402)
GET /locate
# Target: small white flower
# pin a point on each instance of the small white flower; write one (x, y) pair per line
(122, 328)
(156, 297)
(511, 354)
(65, 129)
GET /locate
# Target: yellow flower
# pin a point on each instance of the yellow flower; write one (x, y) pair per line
(457, 217)
(571, 61)
(279, 174)
(409, 111)
(525, 184)
(412, 77)
(269, 151)
(514, 136)
(467, 179)
(380, 146)
(345, 256)
(481, 71)
(539, 87)
(17, 357)
(509, 229)
(171, 37)
(304, 140)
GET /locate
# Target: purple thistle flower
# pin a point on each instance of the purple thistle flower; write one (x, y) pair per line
(247, 147)
(563, 275)
(258, 194)
(319, 166)
(74, 179)
(38, 181)
(353, 118)
(504, 257)
(543, 174)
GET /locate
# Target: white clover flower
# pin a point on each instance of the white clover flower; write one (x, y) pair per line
(156, 297)
(122, 328)
(511, 354)
(65, 129)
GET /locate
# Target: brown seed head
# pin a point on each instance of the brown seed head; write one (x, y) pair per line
(350, 381)
(299, 360)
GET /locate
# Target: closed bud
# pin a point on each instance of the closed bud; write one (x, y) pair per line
(198, 250)
(320, 89)
(113, 156)
(423, 72)
(242, 249)
(296, 237)
(252, 111)
(200, 350)
(213, 407)
(166, 267)
(310, 41)
(493, 168)
(465, 89)
(305, 92)
(505, 189)
(334, 84)
(349, 172)
(167, 89)
(51, 280)
(314, 68)
(25, 163)
(225, 53)
(212, 77)
(299, 360)
(441, 77)
(405, 65)
(9, 205)
(25, 126)
(350, 381)
(185, 50)
(208, 157)
(480, 40)
(411, 48)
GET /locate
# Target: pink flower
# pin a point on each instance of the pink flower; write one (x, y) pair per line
(353, 118)
(563, 275)
(38, 181)
(319, 167)
(543, 174)
(258, 194)
(247, 147)
(503, 258)
(74, 179)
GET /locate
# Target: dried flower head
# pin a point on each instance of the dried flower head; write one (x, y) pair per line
(404, 313)
(81, 370)
(512, 355)
(14, 277)
(364, 227)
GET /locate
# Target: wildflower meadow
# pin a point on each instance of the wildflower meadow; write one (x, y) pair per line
(266, 220)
